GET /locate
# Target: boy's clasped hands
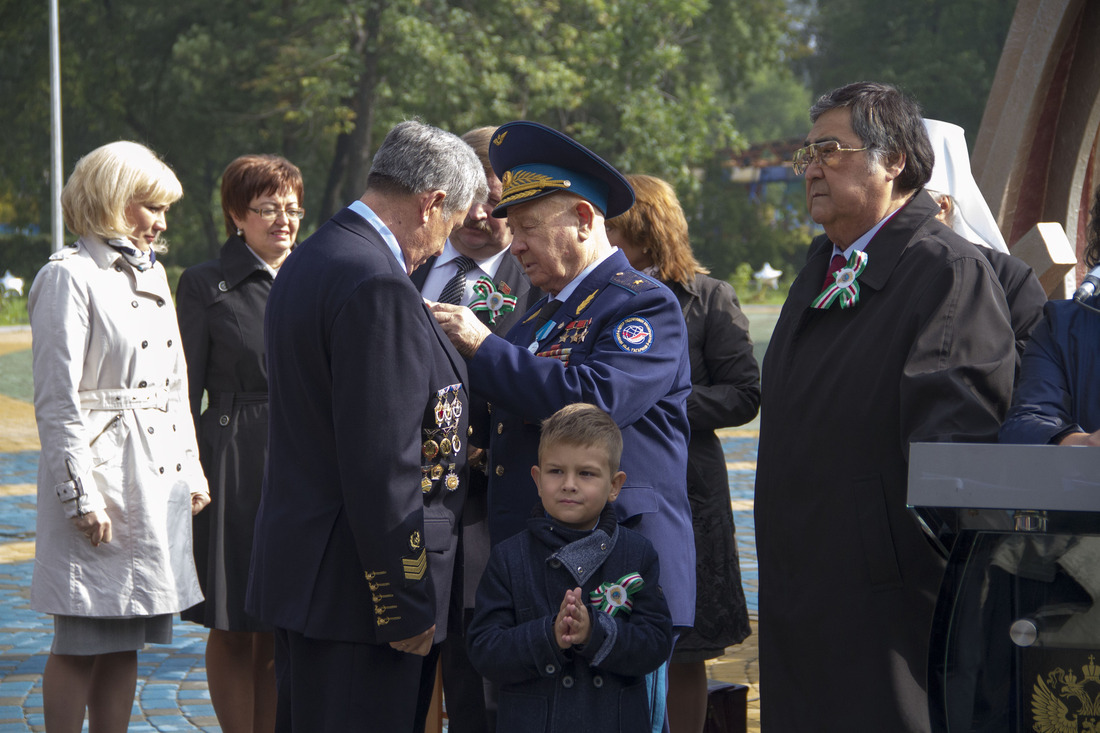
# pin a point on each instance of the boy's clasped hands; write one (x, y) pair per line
(573, 625)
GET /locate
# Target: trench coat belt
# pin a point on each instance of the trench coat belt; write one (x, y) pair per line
(225, 401)
(126, 399)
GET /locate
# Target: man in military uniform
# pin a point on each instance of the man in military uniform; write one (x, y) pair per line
(356, 532)
(475, 269)
(606, 334)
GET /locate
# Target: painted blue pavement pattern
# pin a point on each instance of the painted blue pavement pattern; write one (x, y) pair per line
(171, 691)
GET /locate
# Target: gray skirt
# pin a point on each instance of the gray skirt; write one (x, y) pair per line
(88, 636)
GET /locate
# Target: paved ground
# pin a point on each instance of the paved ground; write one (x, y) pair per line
(172, 694)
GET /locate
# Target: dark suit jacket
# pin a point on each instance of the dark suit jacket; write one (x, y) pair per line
(848, 581)
(620, 344)
(363, 383)
(475, 530)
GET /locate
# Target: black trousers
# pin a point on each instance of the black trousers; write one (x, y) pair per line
(336, 687)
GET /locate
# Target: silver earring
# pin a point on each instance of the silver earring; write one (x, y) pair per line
(240, 231)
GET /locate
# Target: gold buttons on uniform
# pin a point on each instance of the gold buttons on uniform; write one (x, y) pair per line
(500, 470)
(500, 428)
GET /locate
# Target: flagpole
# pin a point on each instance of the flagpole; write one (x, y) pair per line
(58, 229)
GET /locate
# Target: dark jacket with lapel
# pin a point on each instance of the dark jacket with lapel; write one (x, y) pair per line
(848, 581)
(355, 540)
(618, 342)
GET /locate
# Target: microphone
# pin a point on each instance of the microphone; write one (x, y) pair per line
(1088, 285)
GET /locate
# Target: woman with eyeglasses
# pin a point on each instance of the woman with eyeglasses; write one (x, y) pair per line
(221, 314)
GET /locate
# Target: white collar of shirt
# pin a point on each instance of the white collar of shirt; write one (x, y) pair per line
(575, 282)
(488, 266)
(387, 236)
(861, 244)
(271, 270)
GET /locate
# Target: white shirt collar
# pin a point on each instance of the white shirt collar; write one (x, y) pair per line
(488, 265)
(861, 244)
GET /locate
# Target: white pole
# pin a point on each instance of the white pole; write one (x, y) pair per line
(55, 127)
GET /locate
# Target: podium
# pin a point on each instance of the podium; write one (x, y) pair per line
(1015, 641)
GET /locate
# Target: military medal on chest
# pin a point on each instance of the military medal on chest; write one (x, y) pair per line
(442, 444)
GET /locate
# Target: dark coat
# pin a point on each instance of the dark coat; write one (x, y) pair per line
(596, 687)
(1059, 388)
(1024, 293)
(348, 546)
(620, 344)
(475, 524)
(725, 392)
(220, 305)
(848, 581)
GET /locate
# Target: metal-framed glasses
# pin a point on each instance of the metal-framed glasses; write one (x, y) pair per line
(269, 213)
(821, 152)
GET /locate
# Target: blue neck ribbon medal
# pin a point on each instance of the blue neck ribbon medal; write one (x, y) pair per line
(488, 298)
(614, 597)
(845, 287)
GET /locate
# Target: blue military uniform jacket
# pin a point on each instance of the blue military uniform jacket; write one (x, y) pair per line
(619, 342)
(356, 530)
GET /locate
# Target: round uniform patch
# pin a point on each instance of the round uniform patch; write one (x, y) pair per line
(634, 335)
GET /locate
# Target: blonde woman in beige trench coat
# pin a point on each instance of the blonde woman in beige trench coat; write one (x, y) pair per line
(119, 476)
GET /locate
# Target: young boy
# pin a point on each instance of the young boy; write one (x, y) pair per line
(569, 616)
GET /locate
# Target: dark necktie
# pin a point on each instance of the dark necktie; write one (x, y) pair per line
(456, 286)
(546, 313)
(835, 265)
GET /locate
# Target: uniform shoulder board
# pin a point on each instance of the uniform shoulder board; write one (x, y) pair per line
(66, 251)
(634, 281)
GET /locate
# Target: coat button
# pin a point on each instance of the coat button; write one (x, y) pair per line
(551, 669)
(160, 302)
(149, 430)
(500, 470)
(162, 467)
(118, 268)
(179, 467)
(469, 431)
(169, 342)
(134, 303)
(222, 286)
(143, 383)
(597, 681)
(603, 547)
(500, 428)
(223, 420)
(145, 344)
(567, 681)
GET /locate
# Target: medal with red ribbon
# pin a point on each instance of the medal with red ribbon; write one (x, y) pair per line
(488, 298)
(845, 285)
(614, 597)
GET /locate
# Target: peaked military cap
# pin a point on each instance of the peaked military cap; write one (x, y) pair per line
(534, 160)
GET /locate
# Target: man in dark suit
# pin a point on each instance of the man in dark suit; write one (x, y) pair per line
(356, 532)
(895, 331)
(607, 335)
(477, 252)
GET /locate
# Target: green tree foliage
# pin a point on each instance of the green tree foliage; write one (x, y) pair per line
(942, 52)
(647, 84)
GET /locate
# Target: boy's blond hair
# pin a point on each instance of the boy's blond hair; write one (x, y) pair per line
(584, 425)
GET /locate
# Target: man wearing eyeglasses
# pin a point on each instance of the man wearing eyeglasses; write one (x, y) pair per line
(894, 332)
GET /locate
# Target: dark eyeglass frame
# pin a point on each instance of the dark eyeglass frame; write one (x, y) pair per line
(271, 213)
(821, 152)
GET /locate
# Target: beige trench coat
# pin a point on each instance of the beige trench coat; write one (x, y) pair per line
(110, 389)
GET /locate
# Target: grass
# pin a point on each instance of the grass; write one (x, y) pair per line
(13, 310)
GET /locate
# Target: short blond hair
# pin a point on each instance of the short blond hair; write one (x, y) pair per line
(584, 425)
(106, 180)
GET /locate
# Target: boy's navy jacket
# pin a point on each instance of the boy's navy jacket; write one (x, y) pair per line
(600, 686)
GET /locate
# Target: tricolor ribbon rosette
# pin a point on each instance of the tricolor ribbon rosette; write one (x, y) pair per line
(614, 597)
(488, 298)
(845, 285)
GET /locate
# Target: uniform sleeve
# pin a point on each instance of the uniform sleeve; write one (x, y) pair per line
(1042, 406)
(638, 642)
(381, 369)
(957, 378)
(732, 395)
(195, 335)
(501, 648)
(59, 312)
(625, 384)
